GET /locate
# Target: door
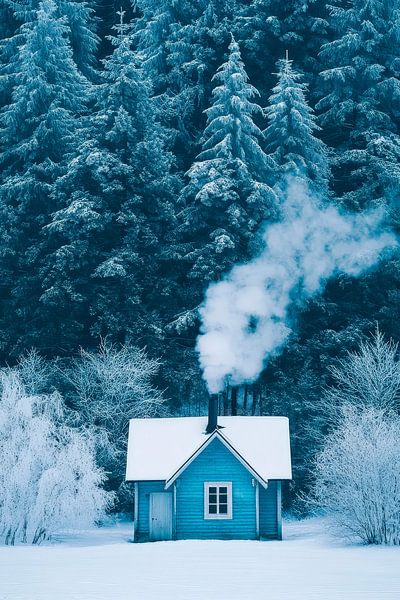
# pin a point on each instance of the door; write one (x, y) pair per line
(160, 516)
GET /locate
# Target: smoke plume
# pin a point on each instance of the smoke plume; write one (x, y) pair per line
(245, 317)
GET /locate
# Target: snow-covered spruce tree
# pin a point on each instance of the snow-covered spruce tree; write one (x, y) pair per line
(8, 23)
(361, 99)
(229, 193)
(135, 138)
(356, 474)
(49, 479)
(196, 47)
(290, 135)
(116, 207)
(83, 34)
(151, 33)
(181, 45)
(80, 19)
(269, 27)
(160, 38)
(38, 131)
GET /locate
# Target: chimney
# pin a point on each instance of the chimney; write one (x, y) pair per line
(212, 424)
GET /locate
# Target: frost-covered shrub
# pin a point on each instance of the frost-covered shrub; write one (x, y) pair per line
(114, 385)
(111, 386)
(357, 475)
(48, 476)
(368, 377)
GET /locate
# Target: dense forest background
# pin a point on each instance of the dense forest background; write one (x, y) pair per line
(143, 146)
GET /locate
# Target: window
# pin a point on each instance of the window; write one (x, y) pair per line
(218, 500)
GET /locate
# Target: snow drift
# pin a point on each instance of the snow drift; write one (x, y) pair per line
(246, 316)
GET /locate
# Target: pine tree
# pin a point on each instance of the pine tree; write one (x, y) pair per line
(228, 194)
(361, 100)
(290, 135)
(151, 34)
(266, 28)
(79, 15)
(136, 140)
(116, 203)
(38, 130)
(196, 47)
(7, 21)
(160, 20)
(181, 45)
(83, 36)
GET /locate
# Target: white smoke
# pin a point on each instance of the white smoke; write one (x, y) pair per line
(245, 316)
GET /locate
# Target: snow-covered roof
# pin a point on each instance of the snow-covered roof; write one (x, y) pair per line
(157, 448)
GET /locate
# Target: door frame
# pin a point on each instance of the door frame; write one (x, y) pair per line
(171, 504)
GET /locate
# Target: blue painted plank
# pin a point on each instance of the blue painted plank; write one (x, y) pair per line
(269, 510)
(145, 489)
(215, 463)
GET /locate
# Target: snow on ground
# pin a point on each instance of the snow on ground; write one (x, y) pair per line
(103, 565)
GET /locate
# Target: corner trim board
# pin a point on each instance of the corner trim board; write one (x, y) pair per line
(174, 519)
(257, 510)
(279, 508)
(136, 512)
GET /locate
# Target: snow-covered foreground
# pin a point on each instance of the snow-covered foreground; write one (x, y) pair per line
(103, 565)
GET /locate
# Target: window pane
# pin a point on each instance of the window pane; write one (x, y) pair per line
(218, 500)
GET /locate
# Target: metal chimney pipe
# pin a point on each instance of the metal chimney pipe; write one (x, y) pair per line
(212, 424)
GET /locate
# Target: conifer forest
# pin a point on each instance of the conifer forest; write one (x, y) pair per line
(146, 150)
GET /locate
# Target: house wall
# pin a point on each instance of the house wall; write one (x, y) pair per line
(215, 463)
(145, 488)
(270, 510)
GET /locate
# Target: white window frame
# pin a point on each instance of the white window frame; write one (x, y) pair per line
(217, 484)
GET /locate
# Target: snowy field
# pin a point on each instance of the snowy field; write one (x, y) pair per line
(103, 565)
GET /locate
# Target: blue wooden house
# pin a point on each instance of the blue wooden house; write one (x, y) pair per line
(203, 479)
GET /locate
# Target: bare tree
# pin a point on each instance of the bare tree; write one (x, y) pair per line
(369, 377)
(114, 385)
(35, 372)
(356, 474)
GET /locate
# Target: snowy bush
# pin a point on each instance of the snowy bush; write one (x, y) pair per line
(111, 386)
(357, 471)
(48, 477)
(367, 377)
(357, 475)
(114, 385)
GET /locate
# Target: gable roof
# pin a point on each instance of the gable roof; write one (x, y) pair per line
(158, 448)
(219, 436)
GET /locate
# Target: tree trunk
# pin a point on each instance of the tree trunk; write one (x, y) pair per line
(245, 397)
(254, 403)
(225, 402)
(234, 394)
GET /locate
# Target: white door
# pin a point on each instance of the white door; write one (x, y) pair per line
(160, 516)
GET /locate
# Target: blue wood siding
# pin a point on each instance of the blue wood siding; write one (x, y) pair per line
(268, 510)
(145, 489)
(215, 463)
